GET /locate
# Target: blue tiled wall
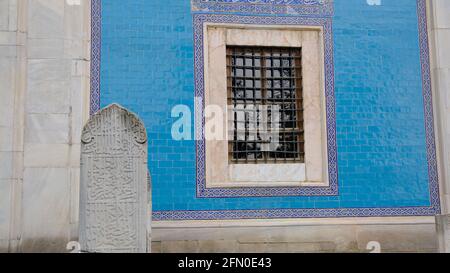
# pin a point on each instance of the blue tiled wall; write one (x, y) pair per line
(147, 66)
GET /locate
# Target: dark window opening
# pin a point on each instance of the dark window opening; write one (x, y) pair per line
(260, 81)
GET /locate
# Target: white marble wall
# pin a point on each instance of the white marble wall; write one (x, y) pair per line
(45, 67)
(440, 49)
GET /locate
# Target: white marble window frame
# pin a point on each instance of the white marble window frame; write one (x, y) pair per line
(220, 172)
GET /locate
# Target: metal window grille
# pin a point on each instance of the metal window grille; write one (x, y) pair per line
(260, 80)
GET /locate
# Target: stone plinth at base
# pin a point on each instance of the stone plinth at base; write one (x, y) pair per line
(443, 232)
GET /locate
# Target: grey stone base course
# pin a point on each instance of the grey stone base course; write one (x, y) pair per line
(314, 238)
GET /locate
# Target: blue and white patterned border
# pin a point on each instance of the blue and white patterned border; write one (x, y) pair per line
(433, 209)
(282, 7)
(202, 190)
(96, 48)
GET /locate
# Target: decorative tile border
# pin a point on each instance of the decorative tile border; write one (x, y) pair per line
(202, 190)
(96, 48)
(279, 7)
(433, 209)
(428, 105)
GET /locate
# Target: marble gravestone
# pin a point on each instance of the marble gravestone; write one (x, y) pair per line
(115, 185)
(443, 232)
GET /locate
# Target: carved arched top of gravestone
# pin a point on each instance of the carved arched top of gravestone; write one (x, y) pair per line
(108, 125)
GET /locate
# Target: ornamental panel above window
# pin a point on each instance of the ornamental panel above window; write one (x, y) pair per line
(270, 81)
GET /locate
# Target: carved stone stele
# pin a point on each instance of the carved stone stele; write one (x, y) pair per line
(443, 232)
(114, 190)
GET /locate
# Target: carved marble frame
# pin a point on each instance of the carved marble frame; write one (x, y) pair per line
(431, 210)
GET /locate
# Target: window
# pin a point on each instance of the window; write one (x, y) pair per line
(263, 80)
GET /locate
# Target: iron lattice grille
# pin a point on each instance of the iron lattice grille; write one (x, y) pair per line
(261, 80)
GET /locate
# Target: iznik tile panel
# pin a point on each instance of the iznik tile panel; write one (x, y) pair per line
(384, 125)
